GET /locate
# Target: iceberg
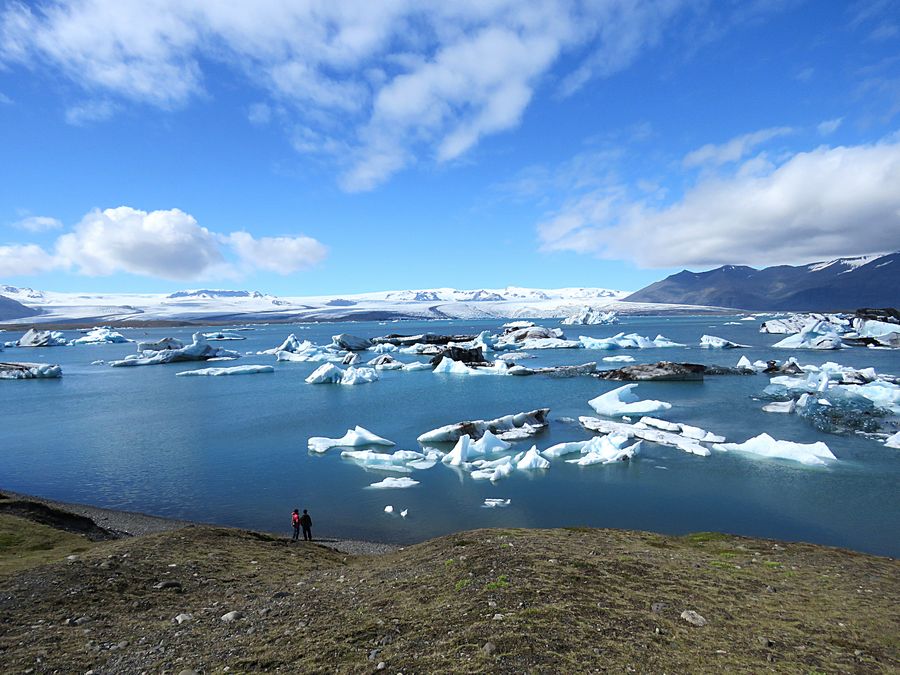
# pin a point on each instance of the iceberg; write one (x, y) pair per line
(488, 444)
(160, 345)
(713, 342)
(97, 336)
(448, 366)
(624, 358)
(766, 446)
(330, 373)
(29, 371)
(622, 401)
(685, 430)
(389, 509)
(646, 433)
(290, 344)
(814, 335)
(390, 483)
(786, 407)
(493, 470)
(630, 341)
(219, 335)
(350, 343)
(450, 433)
(493, 503)
(602, 450)
(416, 365)
(236, 370)
(588, 316)
(385, 362)
(532, 460)
(893, 441)
(41, 338)
(198, 350)
(459, 456)
(353, 438)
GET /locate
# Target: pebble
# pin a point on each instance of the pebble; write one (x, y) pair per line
(162, 585)
(693, 618)
(381, 665)
(657, 607)
(489, 648)
(231, 616)
(498, 617)
(182, 618)
(765, 642)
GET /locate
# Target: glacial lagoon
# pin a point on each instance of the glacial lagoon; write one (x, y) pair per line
(233, 450)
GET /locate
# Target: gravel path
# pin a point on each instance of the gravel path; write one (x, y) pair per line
(133, 524)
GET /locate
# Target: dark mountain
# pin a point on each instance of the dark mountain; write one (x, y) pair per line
(843, 284)
(10, 309)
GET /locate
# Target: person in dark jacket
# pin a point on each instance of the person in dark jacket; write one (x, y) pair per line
(295, 523)
(306, 523)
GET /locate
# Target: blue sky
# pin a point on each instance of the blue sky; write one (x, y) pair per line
(336, 147)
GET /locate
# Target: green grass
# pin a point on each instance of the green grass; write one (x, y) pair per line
(501, 582)
(24, 544)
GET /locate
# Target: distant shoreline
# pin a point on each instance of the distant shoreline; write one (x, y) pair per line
(123, 524)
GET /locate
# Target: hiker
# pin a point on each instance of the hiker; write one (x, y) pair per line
(295, 523)
(306, 522)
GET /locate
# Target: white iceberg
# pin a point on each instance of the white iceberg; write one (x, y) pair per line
(488, 444)
(893, 441)
(404, 513)
(766, 446)
(532, 460)
(786, 407)
(330, 373)
(713, 342)
(624, 358)
(353, 438)
(97, 336)
(630, 341)
(814, 335)
(220, 336)
(588, 316)
(29, 371)
(493, 470)
(389, 509)
(416, 365)
(646, 433)
(622, 401)
(493, 503)
(198, 350)
(390, 483)
(160, 345)
(602, 450)
(450, 433)
(236, 370)
(41, 338)
(459, 456)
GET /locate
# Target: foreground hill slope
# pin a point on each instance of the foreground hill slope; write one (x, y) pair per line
(485, 601)
(843, 284)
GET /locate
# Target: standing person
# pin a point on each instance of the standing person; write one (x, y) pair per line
(306, 522)
(295, 523)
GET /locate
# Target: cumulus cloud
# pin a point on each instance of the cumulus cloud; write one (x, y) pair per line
(376, 86)
(25, 259)
(828, 202)
(733, 150)
(38, 224)
(284, 255)
(167, 244)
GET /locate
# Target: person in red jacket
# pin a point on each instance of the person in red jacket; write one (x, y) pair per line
(295, 523)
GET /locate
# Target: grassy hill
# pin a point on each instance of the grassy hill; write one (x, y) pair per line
(485, 601)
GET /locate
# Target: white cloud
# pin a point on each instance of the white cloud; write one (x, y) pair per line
(4, 99)
(379, 84)
(259, 114)
(734, 150)
(828, 127)
(168, 244)
(284, 255)
(90, 111)
(25, 259)
(827, 202)
(38, 224)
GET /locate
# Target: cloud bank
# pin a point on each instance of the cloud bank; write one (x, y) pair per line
(828, 202)
(165, 244)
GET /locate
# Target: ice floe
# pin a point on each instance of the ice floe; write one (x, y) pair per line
(391, 483)
(605, 450)
(220, 336)
(350, 343)
(623, 401)
(494, 503)
(645, 432)
(198, 350)
(766, 446)
(713, 342)
(355, 437)
(459, 455)
(623, 358)
(100, 335)
(235, 370)
(786, 407)
(630, 341)
(29, 371)
(535, 420)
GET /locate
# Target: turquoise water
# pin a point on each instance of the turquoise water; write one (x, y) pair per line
(232, 450)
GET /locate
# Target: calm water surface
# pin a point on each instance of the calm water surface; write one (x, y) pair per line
(232, 450)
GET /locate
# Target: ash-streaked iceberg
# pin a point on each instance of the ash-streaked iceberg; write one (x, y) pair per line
(623, 401)
(450, 433)
(29, 371)
(42, 338)
(766, 446)
(355, 437)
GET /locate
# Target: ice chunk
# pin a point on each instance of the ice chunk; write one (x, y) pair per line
(893, 441)
(460, 453)
(291, 344)
(404, 513)
(766, 446)
(814, 335)
(630, 341)
(493, 470)
(744, 362)
(219, 335)
(384, 348)
(713, 342)
(350, 343)
(532, 460)
(493, 503)
(160, 345)
(41, 338)
(488, 444)
(786, 407)
(602, 450)
(665, 425)
(385, 362)
(236, 370)
(353, 438)
(646, 433)
(417, 365)
(29, 371)
(624, 358)
(198, 350)
(390, 483)
(622, 401)
(563, 449)
(535, 419)
(588, 316)
(389, 509)
(330, 373)
(97, 336)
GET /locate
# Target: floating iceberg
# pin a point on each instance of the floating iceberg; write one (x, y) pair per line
(786, 407)
(330, 373)
(488, 444)
(622, 401)
(624, 358)
(350, 343)
(97, 336)
(160, 345)
(450, 433)
(219, 335)
(29, 371)
(41, 338)
(353, 438)
(532, 460)
(685, 430)
(766, 446)
(389, 509)
(713, 342)
(383, 348)
(198, 350)
(290, 344)
(416, 365)
(236, 370)
(390, 483)
(493, 470)
(493, 503)
(604, 450)
(459, 456)
(814, 335)
(588, 316)
(893, 441)
(446, 365)
(630, 341)
(646, 433)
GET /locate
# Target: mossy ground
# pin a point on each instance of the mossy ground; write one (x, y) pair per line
(548, 601)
